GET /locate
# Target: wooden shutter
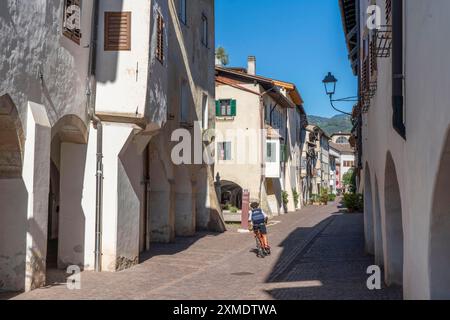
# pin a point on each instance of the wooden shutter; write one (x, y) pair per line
(117, 31)
(160, 38)
(218, 111)
(233, 108)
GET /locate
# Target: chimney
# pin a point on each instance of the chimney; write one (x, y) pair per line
(251, 68)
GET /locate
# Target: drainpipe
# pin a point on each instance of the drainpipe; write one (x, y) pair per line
(99, 127)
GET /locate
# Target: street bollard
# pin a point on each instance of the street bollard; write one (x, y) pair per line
(245, 209)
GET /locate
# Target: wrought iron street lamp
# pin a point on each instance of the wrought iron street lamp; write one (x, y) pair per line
(329, 83)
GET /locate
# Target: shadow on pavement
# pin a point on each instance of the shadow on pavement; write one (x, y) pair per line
(168, 249)
(331, 266)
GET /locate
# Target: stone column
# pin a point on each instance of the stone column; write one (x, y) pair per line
(36, 176)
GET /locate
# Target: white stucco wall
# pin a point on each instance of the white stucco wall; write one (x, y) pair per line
(427, 122)
(247, 175)
(32, 43)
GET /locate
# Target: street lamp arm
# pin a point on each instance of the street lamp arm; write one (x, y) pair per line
(332, 105)
(347, 99)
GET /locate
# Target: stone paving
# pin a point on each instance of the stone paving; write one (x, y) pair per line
(318, 253)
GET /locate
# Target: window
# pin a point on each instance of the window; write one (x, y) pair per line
(160, 38)
(342, 140)
(72, 20)
(224, 149)
(184, 102)
(349, 164)
(284, 153)
(226, 108)
(398, 118)
(205, 31)
(182, 14)
(271, 152)
(205, 113)
(117, 31)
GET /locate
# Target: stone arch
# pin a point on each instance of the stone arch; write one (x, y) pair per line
(378, 234)
(184, 202)
(161, 195)
(66, 217)
(13, 198)
(231, 193)
(393, 224)
(368, 212)
(439, 245)
(12, 139)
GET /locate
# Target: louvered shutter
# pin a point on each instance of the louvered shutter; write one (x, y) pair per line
(117, 31)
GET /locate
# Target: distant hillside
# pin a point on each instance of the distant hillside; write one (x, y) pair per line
(338, 123)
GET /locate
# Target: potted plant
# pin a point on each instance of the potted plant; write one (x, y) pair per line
(285, 199)
(296, 197)
(354, 202)
(324, 196)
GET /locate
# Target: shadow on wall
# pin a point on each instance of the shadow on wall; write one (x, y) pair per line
(331, 266)
(440, 230)
(107, 61)
(13, 230)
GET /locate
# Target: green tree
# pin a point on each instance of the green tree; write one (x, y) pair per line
(222, 56)
(347, 179)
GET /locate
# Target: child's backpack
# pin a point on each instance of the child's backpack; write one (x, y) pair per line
(257, 217)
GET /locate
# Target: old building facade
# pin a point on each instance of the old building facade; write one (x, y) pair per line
(402, 139)
(86, 170)
(259, 123)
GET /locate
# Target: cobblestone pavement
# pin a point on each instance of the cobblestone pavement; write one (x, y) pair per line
(317, 254)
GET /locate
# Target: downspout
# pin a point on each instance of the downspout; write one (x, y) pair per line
(99, 127)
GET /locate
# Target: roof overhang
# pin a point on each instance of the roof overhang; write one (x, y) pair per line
(350, 23)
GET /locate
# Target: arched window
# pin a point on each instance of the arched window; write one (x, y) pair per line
(342, 140)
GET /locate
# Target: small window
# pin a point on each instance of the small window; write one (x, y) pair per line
(160, 38)
(342, 140)
(117, 31)
(226, 108)
(205, 31)
(72, 20)
(205, 113)
(271, 152)
(224, 149)
(182, 13)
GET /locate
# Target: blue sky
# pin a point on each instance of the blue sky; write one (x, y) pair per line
(297, 41)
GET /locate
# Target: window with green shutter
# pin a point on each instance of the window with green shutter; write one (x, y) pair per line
(226, 108)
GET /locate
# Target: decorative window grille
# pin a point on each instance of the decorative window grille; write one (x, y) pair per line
(72, 20)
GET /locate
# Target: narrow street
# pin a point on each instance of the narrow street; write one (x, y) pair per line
(318, 253)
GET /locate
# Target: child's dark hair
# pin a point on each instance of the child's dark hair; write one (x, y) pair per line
(254, 205)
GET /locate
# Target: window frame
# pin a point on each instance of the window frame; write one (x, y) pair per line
(116, 47)
(205, 30)
(76, 34)
(160, 29)
(182, 11)
(222, 147)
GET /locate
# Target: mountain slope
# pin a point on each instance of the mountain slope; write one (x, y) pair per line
(338, 123)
